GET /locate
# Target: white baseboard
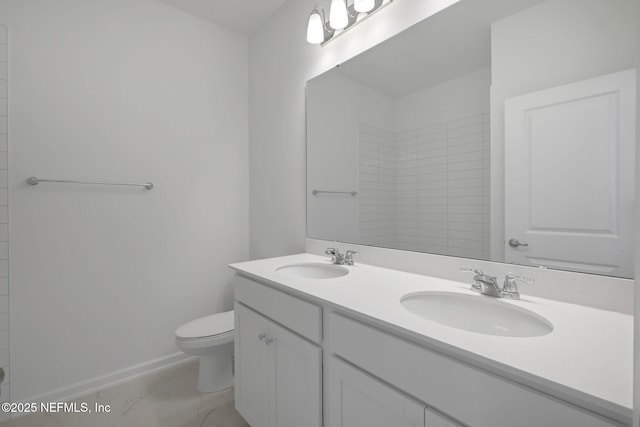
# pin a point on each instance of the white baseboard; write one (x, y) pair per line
(102, 382)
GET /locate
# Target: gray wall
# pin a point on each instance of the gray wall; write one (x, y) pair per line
(124, 90)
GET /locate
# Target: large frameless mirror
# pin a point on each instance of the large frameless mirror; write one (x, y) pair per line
(493, 130)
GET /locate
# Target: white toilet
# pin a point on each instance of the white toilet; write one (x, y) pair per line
(210, 338)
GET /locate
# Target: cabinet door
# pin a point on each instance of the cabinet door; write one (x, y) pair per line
(357, 400)
(252, 368)
(296, 385)
(434, 419)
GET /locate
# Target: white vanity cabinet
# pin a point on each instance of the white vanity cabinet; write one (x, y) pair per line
(468, 394)
(357, 399)
(252, 366)
(305, 363)
(278, 373)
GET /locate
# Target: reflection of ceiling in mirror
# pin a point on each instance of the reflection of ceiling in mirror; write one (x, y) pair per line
(457, 41)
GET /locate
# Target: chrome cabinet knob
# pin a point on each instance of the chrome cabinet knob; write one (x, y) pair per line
(268, 341)
(514, 243)
(261, 336)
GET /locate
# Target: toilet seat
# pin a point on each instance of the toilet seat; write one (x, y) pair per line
(196, 344)
(211, 339)
(216, 328)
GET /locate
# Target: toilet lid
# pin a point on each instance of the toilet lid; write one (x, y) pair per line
(216, 324)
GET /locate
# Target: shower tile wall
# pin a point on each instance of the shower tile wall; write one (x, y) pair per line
(4, 219)
(377, 196)
(407, 202)
(439, 176)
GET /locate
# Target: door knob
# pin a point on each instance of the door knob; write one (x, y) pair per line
(514, 243)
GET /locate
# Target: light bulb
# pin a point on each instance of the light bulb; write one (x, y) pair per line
(363, 5)
(315, 29)
(338, 15)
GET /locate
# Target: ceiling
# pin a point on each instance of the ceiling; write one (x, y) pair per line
(450, 44)
(242, 16)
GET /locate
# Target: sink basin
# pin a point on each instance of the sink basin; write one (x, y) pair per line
(313, 271)
(477, 313)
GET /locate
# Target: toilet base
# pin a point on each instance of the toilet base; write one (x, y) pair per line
(216, 369)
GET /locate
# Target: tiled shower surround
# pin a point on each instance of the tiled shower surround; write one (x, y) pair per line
(426, 189)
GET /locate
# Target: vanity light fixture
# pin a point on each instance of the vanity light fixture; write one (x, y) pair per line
(343, 14)
(317, 30)
(363, 6)
(338, 15)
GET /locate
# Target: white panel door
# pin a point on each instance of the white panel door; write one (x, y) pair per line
(358, 400)
(569, 176)
(297, 379)
(252, 367)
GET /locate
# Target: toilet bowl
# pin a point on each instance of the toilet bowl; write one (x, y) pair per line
(211, 339)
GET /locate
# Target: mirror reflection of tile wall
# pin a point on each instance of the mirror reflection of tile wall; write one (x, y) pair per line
(426, 189)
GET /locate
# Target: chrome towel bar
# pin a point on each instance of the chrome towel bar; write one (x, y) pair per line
(35, 181)
(316, 192)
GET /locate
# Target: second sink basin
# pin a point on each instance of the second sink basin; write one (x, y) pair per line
(313, 270)
(477, 313)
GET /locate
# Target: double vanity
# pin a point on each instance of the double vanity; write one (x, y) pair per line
(493, 134)
(320, 344)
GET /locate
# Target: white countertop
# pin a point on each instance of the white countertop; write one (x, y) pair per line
(587, 359)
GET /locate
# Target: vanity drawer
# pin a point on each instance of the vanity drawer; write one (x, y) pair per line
(295, 314)
(473, 396)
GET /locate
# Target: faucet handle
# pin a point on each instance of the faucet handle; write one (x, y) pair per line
(475, 285)
(348, 257)
(336, 256)
(472, 270)
(510, 285)
(513, 277)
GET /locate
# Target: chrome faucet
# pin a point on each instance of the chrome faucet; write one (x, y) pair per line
(340, 259)
(488, 285)
(483, 283)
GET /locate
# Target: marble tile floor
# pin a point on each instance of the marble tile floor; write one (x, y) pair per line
(166, 398)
